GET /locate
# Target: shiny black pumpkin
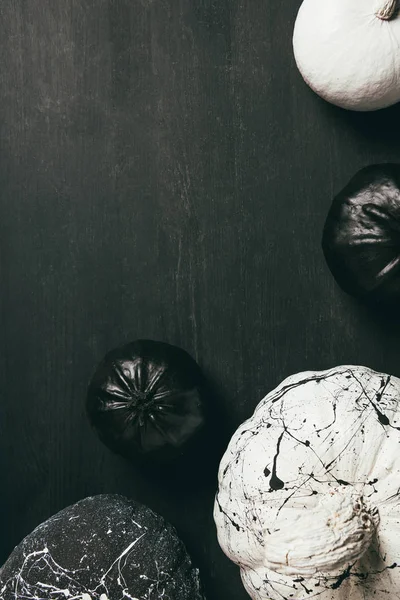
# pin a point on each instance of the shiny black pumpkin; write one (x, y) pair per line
(361, 238)
(146, 400)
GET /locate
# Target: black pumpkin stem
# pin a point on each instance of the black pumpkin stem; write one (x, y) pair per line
(386, 271)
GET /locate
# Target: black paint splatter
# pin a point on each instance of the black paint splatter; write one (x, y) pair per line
(275, 483)
(345, 575)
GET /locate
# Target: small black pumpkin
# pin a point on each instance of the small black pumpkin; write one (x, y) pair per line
(361, 238)
(146, 400)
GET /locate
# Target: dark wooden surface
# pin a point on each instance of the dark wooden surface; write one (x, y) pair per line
(164, 173)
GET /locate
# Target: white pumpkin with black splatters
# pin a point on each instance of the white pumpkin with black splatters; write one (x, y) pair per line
(348, 51)
(104, 547)
(308, 503)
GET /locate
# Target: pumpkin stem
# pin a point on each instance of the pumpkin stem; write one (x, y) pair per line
(388, 10)
(386, 271)
(339, 532)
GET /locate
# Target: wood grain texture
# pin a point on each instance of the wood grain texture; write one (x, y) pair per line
(165, 173)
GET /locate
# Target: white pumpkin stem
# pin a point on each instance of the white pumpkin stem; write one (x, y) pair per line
(388, 10)
(328, 540)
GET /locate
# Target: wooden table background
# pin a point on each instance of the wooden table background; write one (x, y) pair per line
(164, 173)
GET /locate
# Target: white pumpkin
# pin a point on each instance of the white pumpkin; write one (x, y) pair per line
(348, 51)
(308, 503)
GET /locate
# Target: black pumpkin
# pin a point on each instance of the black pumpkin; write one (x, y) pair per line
(146, 400)
(361, 238)
(102, 547)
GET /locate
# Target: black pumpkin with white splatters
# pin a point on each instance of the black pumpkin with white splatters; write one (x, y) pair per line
(361, 238)
(308, 503)
(146, 400)
(103, 547)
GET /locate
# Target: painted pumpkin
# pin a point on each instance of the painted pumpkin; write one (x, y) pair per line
(146, 400)
(308, 503)
(361, 238)
(104, 547)
(348, 51)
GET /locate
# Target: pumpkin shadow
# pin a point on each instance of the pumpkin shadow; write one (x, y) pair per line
(385, 314)
(383, 319)
(381, 125)
(197, 467)
(381, 128)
